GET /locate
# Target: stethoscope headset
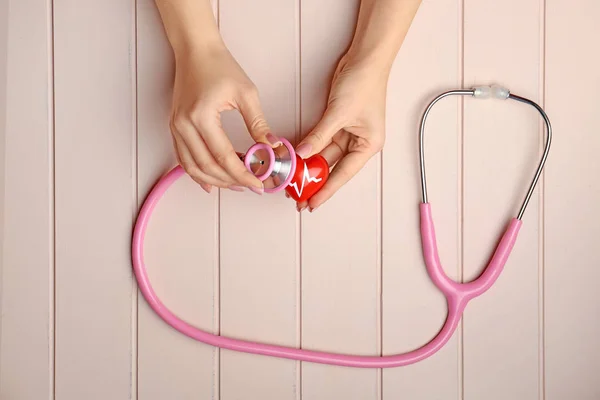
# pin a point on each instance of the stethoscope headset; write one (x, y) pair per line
(280, 167)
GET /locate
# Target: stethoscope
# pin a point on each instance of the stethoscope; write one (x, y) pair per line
(279, 166)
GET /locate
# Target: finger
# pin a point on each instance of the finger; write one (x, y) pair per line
(321, 135)
(189, 165)
(225, 156)
(177, 155)
(333, 152)
(346, 168)
(269, 182)
(202, 157)
(301, 206)
(254, 118)
(207, 188)
(189, 161)
(182, 153)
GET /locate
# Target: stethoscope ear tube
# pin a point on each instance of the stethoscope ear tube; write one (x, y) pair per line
(281, 167)
(485, 92)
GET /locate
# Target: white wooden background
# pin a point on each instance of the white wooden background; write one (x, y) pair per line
(85, 90)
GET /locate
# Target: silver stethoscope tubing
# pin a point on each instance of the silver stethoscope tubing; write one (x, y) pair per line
(487, 92)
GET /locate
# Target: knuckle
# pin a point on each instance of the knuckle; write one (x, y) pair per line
(191, 169)
(196, 174)
(220, 158)
(187, 166)
(205, 166)
(258, 123)
(318, 137)
(180, 122)
(199, 113)
(249, 91)
(337, 110)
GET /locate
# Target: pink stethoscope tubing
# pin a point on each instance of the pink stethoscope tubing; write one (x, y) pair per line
(457, 294)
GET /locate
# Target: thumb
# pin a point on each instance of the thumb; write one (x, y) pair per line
(254, 118)
(321, 134)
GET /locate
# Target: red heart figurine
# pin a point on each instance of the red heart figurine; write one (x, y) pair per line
(310, 176)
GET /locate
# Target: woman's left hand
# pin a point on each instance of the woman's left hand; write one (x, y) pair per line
(352, 128)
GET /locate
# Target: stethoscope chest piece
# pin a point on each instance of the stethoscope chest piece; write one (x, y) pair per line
(275, 167)
(280, 168)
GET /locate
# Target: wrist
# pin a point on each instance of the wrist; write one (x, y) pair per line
(377, 58)
(193, 46)
(380, 30)
(190, 26)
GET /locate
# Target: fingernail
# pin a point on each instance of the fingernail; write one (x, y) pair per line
(304, 149)
(236, 188)
(207, 188)
(310, 209)
(274, 140)
(300, 209)
(257, 190)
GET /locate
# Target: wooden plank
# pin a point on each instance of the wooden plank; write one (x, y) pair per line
(95, 197)
(339, 260)
(26, 343)
(501, 337)
(181, 242)
(259, 283)
(413, 308)
(3, 105)
(572, 195)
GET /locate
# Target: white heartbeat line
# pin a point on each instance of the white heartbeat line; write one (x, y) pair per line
(305, 178)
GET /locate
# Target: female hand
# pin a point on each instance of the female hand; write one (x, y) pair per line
(209, 81)
(352, 128)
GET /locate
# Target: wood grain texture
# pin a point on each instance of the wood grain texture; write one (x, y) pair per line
(258, 240)
(339, 259)
(501, 142)
(3, 81)
(85, 96)
(3, 105)
(181, 242)
(95, 200)
(413, 308)
(26, 359)
(572, 229)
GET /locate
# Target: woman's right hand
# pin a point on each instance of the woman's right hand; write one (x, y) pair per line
(208, 81)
